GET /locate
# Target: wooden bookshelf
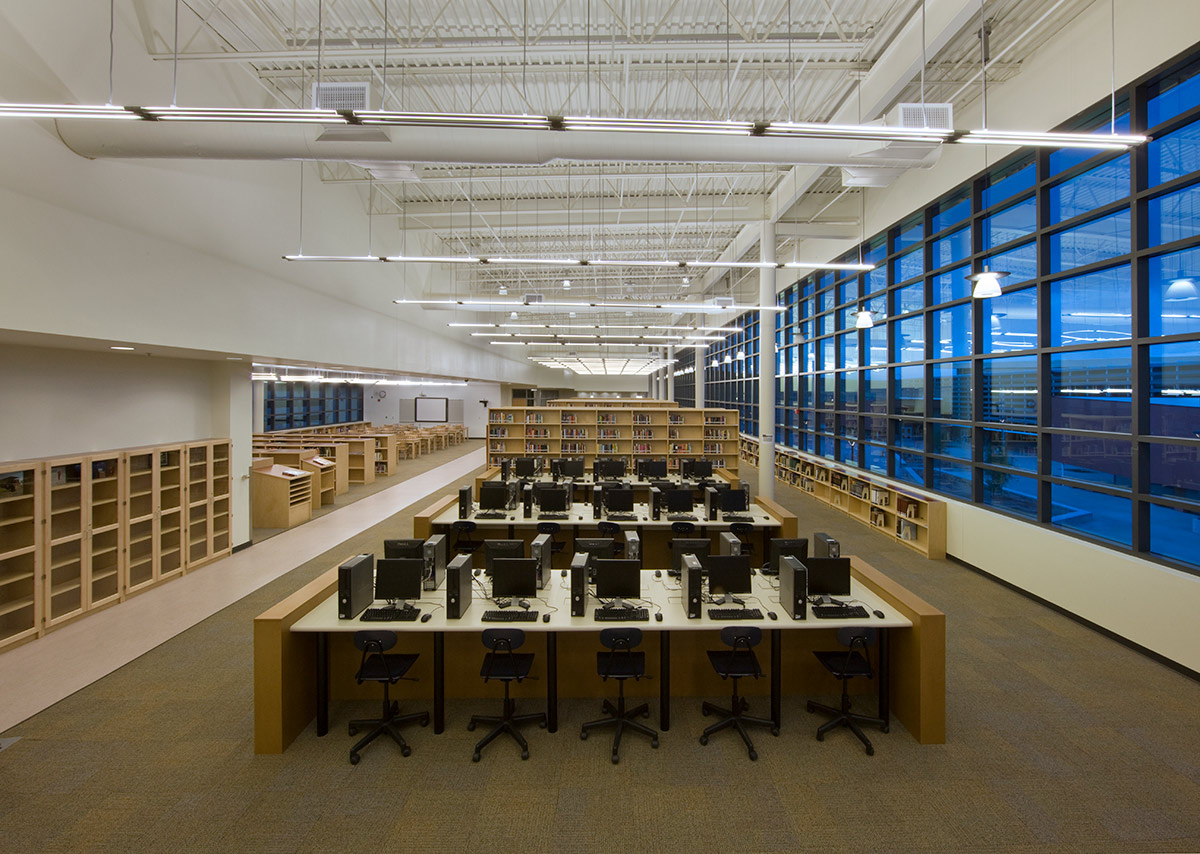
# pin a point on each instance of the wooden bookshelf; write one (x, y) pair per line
(280, 496)
(207, 501)
(154, 516)
(22, 488)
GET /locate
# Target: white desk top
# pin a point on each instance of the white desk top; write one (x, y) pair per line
(581, 514)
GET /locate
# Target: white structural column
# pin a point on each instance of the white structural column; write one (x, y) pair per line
(766, 364)
(701, 364)
(670, 371)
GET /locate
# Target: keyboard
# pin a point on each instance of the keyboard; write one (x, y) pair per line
(390, 615)
(622, 517)
(839, 612)
(518, 615)
(730, 517)
(621, 615)
(491, 514)
(681, 517)
(556, 516)
(734, 614)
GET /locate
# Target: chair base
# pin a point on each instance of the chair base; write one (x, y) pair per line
(621, 719)
(390, 723)
(735, 717)
(851, 720)
(505, 723)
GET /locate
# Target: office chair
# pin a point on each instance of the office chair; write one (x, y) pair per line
(683, 529)
(552, 528)
(506, 665)
(737, 662)
(464, 543)
(744, 531)
(613, 530)
(387, 669)
(620, 662)
(845, 665)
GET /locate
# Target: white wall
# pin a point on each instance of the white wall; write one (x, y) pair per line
(464, 405)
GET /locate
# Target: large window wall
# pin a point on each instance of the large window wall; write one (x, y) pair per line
(731, 372)
(287, 405)
(1073, 400)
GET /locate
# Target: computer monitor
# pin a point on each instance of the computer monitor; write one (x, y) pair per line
(828, 576)
(571, 467)
(493, 549)
(797, 548)
(514, 576)
(679, 500)
(404, 548)
(608, 467)
(650, 469)
(525, 466)
(681, 546)
(733, 501)
(696, 469)
(618, 499)
(727, 574)
(399, 579)
(596, 547)
(493, 495)
(551, 498)
(618, 579)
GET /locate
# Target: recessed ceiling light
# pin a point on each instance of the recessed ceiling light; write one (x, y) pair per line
(233, 358)
(115, 347)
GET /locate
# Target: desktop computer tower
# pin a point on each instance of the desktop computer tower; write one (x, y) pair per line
(729, 544)
(540, 550)
(691, 586)
(655, 502)
(710, 503)
(435, 560)
(579, 585)
(356, 586)
(505, 469)
(597, 501)
(464, 502)
(527, 499)
(793, 587)
(633, 545)
(458, 587)
(826, 546)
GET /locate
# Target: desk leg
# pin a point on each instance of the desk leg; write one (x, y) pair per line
(664, 677)
(885, 675)
(552, 681)
(322, 683)
(776, 675)
(439, 682)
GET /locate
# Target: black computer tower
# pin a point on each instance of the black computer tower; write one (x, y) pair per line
(579, 585)
(505, 469)
(458, 587)
(597, 501)
(793, 587)
(710, 503)
(527, 498)
(826, 546)
(691, 585)
(655, 502)
(435, 560)
(464, 502)
(356, 586)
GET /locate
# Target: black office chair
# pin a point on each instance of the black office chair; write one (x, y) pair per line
(388, 669)
(845, 665)
(620, 662)
(552, 528)
(744, 531)
(464, 543)
(737, 662)
(683, 529)
(613, 530)
(506, 665)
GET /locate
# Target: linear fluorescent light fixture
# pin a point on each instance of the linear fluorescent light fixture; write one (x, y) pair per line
(581, 326)
(644, 306)
(265, 377)
(1115, 141)
(587, 262)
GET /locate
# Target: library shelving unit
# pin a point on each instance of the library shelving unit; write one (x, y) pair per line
(207, 493)
(362, 459)
(748, 449)
(154, 506)
(21, 493)
(601, 430)
(625, 402)
(281, 496)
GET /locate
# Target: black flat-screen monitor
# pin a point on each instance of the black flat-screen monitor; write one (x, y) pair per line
(596, 547)
(696, 469)
(681, 546)
(650, 469)
(570, 467)
(679, 500)
(404, 548)
(551, 498)
(493, 495)
(399, 578)
(525, 466)
(493, 549)
(618, 579)
(514, 576)
(797, 548)
(618, 499)
(733, 501)
(608, 467)
(727, 574)
(828, 576)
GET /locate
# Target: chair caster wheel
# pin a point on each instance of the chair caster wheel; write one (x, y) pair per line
(870, 751)
(616, 759)
(475, 758)
(405, 750)
(353, 729)
(354, 757)
(654, 743)
(809, 706)
(425, 721)
(775, 731)
(583, 735)
(542, 724)
(820, 736)
(524, 754)
(745, 705)
(646, 714)
(704, 739)
(704, 712)
(884, 729)
(753, 756)
(471, 726)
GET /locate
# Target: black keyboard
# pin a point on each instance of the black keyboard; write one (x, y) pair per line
(734, 614)
(681, 517)
(516, 616)
(729, 517)
(622, 517)
(491, 514)
(621, 615)
(839, 612)
(555, 516)
(390, 615)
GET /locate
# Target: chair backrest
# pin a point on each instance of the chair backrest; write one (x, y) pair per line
(373, 641)
(858, 637)
(741, 529)
(551, 528)
(503, 640)
(741, 637)
(463, 526)
(683, 528)
(609, 529)
(622, 642)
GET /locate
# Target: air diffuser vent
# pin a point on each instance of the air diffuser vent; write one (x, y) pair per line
(341, 96)
(939, 116)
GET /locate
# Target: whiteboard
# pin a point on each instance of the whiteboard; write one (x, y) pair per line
(430, 409)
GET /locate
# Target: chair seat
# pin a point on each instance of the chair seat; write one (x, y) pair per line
(836, 663)
(620, 665)
(734, 663)
(384, 668)
(506, 666)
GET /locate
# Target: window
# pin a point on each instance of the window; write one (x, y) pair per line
(910, 298)
(909, 266)
(1009, 388)
(951, 248)
(1010, 224)
(1099, 460)
(1009, 182)
(908, 467)
(1095, 514)
(1093, 241)
(1173, 532)
(1175, 471)
(1092, 307)
(1174, 155)
(1174, 303)
(950, 440)
(952, 390)
(953, 284)
(1175, 389)
(952, 478)
(1010, 449)
(1093, 189)
(1091, 389)
(952, 328)
(1175, 216)
(1010, 321)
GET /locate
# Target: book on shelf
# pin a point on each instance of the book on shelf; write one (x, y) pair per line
(681, 448)
(643, 434)
(569, 418)
(880, 496)
(496, 446)
(572, 448)
(606, 418)
(537, 433)
(878, 518)
(858, 489)
(715, 420)
(606, 448)
(713, 448)
(642, 448)
(608, 434)
(498, 432)
(536, 448)
(534, 418)
(710, 433)
(906, 530)
(672, 433)
(675, 419)
(641, 418)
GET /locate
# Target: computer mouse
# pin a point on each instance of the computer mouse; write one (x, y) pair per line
(658, 617)
(564, 573)
(425, 618)
(545, 618)
(878, 613)
(772, 615)
(658, 573)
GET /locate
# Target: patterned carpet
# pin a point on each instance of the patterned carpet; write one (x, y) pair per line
(1059, 740)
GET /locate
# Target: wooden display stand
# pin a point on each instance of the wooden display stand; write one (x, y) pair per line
(324, 484)
(281, 497)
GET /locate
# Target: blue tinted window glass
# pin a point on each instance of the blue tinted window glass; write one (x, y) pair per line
(910, 298)
(808, 442)
(1090, 390)
(847, 452)
(1173, 533)
(908, 339)
(875, 348)
(1173, 98)
(1004, 188)
(1010, 321)
(952, 326)
(1175, 389)
(876, 250)
(1174, 155)
(950, 440)
(875, 280)
(1094, 188)
(1010, 390)
(1064, 158)
(908, 384)
(952, 390)
(824, 324)
(1175, 472)
(1091, 242)
(847, 316)
(1106, 517)
(1175, 216)
(848, 387)
(849, 347)
(909, 468)
(1175, 293)
(875, 430)
(826, 300)
(953, 284)
(825, 355)
(1010, 449)
(952, 478)
(1020, 263)
(951, 211)
(825, 391)
(1093, 307)
(909, 235)
(1099, 460)
(908, 266)
(953, 247)
(1012, 492)
(909, 434)
(847, 425)
(1012, 223)
(875, 459)
(875, 390)
(847, 291)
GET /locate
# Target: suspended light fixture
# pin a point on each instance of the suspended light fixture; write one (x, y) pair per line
(864, 319)
(1181, 289)
(741, 354)
(714, 363)
(503, 291)
(566, 284)
(987, 283)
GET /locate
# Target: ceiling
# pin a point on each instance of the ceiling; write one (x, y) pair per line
(766, 60)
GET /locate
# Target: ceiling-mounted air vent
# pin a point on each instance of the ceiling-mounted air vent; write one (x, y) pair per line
(723, 302)
(939, 116)
(341, 96)
(533, 299)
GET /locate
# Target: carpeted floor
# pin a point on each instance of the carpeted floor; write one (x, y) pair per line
(1058, 740)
